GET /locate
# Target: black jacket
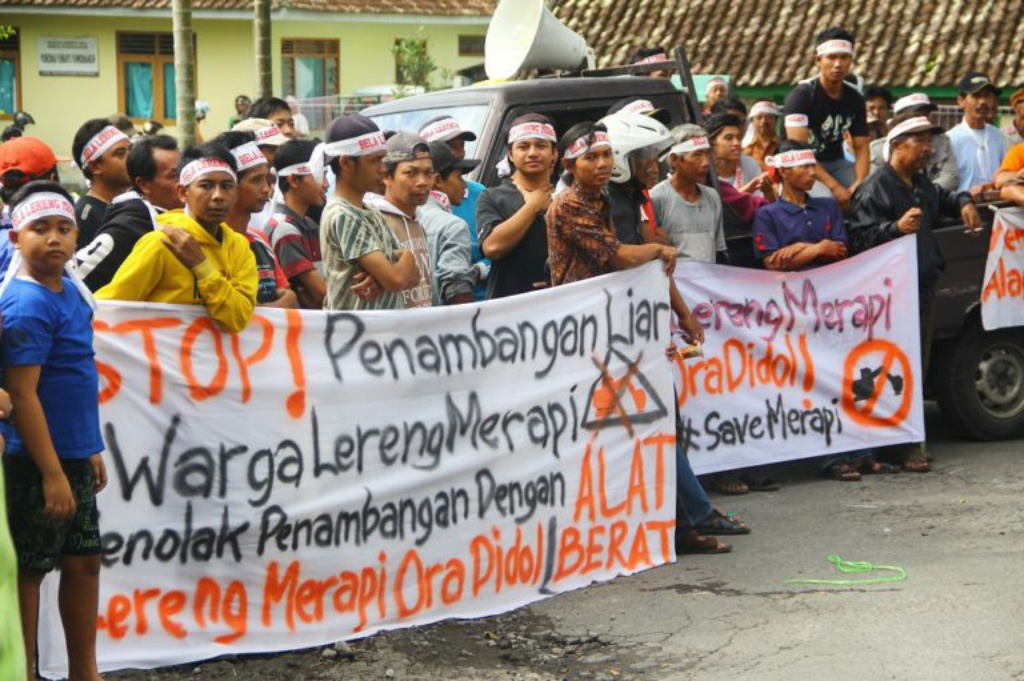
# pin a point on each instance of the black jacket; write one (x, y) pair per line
(881, 200)
(125, 224)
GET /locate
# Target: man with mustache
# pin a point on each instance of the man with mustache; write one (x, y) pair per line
(978, 145)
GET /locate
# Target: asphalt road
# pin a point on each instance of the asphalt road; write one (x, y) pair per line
(956, 531)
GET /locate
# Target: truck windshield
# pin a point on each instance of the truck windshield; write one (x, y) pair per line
(470, 117)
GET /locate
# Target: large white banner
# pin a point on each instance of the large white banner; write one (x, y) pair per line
(1002, 293)
(323, 476)
(803, 363)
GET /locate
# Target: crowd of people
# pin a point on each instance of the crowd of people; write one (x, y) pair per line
(372, 219)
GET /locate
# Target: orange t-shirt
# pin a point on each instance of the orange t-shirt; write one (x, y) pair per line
(1014, 161)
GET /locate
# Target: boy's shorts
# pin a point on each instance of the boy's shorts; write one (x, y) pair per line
(40, 541)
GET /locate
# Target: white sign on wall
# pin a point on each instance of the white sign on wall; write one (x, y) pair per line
(68, 56)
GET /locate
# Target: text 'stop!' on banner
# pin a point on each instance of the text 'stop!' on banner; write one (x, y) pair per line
(804, 363)
(324, 476)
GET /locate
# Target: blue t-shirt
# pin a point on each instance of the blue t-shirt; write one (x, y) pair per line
(54, 331)
(782, 223)
(467, 211)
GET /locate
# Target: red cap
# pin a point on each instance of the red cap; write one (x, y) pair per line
(28, 155)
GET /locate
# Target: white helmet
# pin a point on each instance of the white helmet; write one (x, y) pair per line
(630, 133)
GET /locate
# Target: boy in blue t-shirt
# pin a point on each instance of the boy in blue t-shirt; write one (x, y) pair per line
(52, 461)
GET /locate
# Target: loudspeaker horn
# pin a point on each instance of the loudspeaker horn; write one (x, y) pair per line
(524, 34)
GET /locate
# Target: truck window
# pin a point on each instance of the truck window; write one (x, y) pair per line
(470, 117)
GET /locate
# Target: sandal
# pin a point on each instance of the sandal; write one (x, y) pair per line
(843, 472)
(880, 468)
(728, 485)
(916, 465)
(688, 541)
(755, 484)
(719, 524)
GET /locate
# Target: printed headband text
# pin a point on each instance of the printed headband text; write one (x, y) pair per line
(691, 145)
(792, 159)
(532, 130)
(584, 144)
(39, 206)
(100, 143)
(248, 156)
(439, 129)
(835, 47)
(203, 166)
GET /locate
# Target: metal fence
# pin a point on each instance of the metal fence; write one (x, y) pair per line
(949, 115)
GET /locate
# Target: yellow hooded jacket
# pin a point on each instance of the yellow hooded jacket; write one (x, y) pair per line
(225, 283)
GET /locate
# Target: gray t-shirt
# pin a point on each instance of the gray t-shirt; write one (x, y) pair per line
(695, 228)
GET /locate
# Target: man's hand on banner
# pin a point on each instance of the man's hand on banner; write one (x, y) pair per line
(667, 254)
(910, 222)
(694, 331)
(972, 220)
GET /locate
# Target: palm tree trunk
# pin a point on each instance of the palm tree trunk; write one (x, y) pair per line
(184, 71)
(261, 39)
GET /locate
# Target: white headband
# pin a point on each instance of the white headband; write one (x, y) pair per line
(248, 156)
(439, 129)
(362, 145)
(100, 143)
(640, 106)
(910, 101)
(295, 169)
(653, 59)
(264, 134)
(531, 130)
(835, 47)
(39, 206)
(796, 121)
(792, 159)
(584, 144)
(764, 109)
(908, 126)
(442, 200)
(691, 145)
(203, 166)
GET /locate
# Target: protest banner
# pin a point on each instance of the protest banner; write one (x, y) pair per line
(326, 475)
(1002, 292)
(803, 363)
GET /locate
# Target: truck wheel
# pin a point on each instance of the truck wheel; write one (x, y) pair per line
(980, 385)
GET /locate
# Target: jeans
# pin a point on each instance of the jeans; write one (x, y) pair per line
(842, 170)
(693, 507)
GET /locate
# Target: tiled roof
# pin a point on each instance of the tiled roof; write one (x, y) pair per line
(420, 7)
(914, 43)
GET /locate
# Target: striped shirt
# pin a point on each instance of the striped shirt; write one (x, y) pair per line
(296, 242)
(348, 233)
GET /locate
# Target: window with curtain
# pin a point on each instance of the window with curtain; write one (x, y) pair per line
(309, 68)
(146, 76)
(10, 85)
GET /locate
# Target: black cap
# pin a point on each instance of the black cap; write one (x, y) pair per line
(404, 146)
(444, 159)
(645, 108)
(976, 81)
(348, 126)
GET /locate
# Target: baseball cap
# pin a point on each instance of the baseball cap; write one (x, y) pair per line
(444, 128)
(404, 146)
(267, 134)
(349, 126)
(917, 101)
(643, 107)
(976, 81)
(26, 155)
(444, 159)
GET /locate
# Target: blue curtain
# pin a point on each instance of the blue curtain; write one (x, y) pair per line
(138, 80)
(170, 96)
(309, 77)
(8, 86)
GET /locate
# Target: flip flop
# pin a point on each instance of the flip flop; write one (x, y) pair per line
(761, 484)
(689, 542)
(721, 524)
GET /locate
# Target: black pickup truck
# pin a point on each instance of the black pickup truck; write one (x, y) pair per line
(977, 377)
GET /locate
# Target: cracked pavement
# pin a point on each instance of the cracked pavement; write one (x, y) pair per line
(957, 531)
